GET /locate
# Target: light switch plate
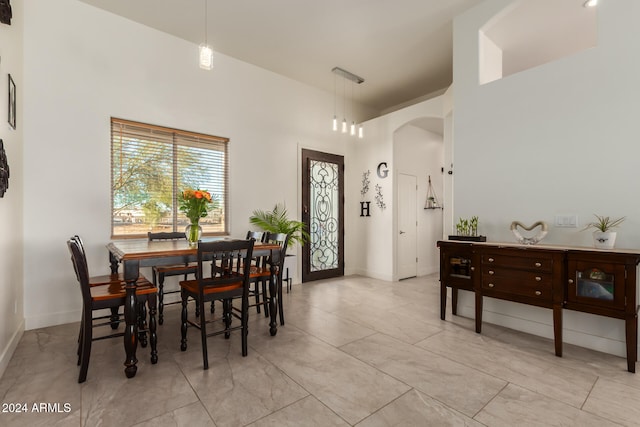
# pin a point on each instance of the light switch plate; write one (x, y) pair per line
(566, 221)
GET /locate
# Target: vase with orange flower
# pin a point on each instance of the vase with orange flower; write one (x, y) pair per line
(195, 204)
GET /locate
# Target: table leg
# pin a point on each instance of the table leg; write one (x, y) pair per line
(131, 271)
(273, 292)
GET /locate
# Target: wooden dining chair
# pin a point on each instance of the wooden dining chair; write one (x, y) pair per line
(102, 280)
(281, 239)
(258, 281)
(99, 296)
(227, 281)
(260, 273)
(163, 271)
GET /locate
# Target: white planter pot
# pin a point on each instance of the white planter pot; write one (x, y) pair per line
(604, 240)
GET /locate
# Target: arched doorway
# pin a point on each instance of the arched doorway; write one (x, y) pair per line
(418, 154)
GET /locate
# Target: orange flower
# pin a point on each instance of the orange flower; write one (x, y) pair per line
(195, 204)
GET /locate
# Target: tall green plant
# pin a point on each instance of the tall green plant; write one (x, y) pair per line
(277, 221)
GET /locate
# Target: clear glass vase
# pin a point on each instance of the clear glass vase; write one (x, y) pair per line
(193, 233)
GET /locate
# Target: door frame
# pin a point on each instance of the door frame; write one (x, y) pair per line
(307, 274)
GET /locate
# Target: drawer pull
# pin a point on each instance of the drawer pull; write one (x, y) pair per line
(537, 264)
(491, 260)
(570, 281)
(538, 293)
(491, 285)
(473, 269)
(491, 272)
(538, 278)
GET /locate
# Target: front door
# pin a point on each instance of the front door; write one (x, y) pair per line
(323, 214)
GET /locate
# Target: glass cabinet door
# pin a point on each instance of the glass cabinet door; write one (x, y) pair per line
(596, 283)
(460, 266)
(456, 267)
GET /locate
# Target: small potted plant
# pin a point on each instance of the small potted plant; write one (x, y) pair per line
(278, 221)
(603, 237)
(467, 229)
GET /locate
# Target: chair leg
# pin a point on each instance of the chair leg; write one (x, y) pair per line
(281, 311)
(160, 297)
(256, 291)
(227, 307)
(245, 323)
(87, 337)
(115, 318)
(264, 297)
(183, 326)
(80, 337)
(203, 334)
(153, 336)
(142, 323)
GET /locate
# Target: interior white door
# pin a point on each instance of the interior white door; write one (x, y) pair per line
(407, 248)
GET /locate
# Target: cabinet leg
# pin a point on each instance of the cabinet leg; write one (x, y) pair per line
(557, 329)
(478, 312)
(454, 301)
(443, 300)
(631, 332)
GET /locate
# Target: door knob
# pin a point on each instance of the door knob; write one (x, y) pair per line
(401, 232)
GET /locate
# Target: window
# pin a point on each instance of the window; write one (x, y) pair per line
(152, 165)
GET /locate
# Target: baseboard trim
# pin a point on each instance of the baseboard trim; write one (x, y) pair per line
(10, 348)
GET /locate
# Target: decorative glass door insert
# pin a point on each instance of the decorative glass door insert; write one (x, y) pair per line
(323, 214)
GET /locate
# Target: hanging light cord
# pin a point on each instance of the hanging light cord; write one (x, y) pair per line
(206, 29)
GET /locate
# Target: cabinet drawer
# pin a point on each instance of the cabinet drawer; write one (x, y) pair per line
(521, 283)
(533, 262)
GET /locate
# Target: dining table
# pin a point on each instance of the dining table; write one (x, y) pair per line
(134, 254)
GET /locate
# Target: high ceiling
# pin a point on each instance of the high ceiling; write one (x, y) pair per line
(402, 48)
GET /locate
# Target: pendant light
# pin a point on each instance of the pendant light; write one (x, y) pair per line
(206, 53)
(344, 107)
(353, 122)
(346, 75)
(335, 119)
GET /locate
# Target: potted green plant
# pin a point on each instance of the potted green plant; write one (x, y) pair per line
(603, 237)
(467, 229)
(277, 221)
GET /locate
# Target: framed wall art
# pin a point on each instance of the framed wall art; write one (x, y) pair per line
(12, 102)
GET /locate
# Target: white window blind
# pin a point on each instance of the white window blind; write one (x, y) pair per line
(151, 166)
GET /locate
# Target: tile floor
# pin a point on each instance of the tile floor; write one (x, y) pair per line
(354, 351)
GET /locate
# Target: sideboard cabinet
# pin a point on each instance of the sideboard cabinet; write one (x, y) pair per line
(555, 277)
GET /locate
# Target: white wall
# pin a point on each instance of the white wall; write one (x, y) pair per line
(558, 138)
(83, 66)
(11, 275)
